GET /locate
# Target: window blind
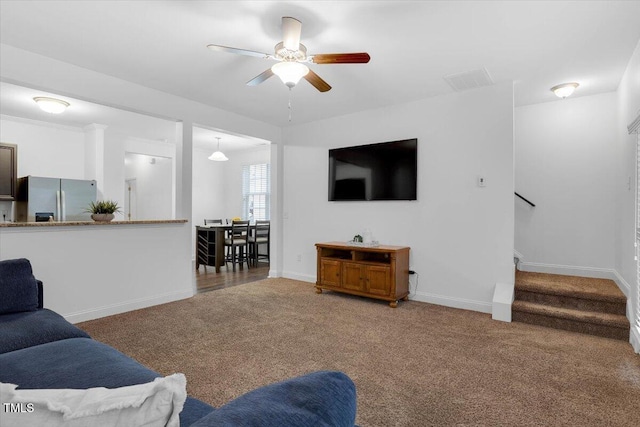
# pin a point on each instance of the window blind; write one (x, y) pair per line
(638, 231)
(256, 189)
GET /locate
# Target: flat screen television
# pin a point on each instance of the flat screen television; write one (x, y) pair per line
(383, 171)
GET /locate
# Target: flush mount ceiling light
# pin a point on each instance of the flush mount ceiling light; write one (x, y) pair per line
(218, 156)
(51, 105)
(564, 90)
(290, 72)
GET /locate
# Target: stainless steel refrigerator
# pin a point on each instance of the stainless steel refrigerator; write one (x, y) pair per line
(40, 198)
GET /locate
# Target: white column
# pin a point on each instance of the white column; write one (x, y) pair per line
(184, 170)
(183, 187)
(94, 155)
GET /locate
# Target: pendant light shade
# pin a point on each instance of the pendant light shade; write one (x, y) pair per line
(290, 72)
(218, 156)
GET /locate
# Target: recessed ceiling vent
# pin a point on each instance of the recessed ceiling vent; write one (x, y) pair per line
(469, 79)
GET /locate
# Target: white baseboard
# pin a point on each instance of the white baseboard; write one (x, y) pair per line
(569, 270)
(447, 301)
(634, 338)
(518, 255)
(483, 307)
(112, 309)
(273, 274)
(623, 285)
(297, 276)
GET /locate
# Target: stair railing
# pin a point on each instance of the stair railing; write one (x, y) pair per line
(528, 201)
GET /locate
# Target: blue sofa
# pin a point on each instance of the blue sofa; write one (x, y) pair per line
(39, 349)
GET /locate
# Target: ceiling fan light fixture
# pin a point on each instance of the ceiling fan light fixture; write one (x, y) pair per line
(290, 72)
(51, 105)
(565, 89)
(218, 156)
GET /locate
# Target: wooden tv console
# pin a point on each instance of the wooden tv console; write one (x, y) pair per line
(380, 272)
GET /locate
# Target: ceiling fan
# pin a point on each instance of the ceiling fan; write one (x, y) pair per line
(292, 56)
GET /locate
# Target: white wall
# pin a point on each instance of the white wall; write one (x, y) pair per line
(209, 187)
(461, 236)
(566, 166)
(43, 150)
(153, 176)
(156, 183)
(628, 105)
(95, 271)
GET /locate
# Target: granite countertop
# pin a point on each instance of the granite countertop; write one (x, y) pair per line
(83, 223)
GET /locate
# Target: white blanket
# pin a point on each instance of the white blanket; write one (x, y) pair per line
(157, 403)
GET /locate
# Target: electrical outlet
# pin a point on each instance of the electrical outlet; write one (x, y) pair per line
(299, 258)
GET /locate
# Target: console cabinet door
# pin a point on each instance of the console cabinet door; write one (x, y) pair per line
(330, 272)
(353, 276)
(378, 279)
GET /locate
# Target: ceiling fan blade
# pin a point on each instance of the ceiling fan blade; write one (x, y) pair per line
(341, 58)
(317, 81)
(291, 30)
(260, 77)
(245, 52)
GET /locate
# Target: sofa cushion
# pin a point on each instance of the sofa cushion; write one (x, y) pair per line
(82, 363)
(29, 328)
(18, 287)
(154, 404)
(322, 398)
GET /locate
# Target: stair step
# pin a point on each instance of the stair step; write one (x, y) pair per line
(565, 301)
(594, 323)
(586, 288)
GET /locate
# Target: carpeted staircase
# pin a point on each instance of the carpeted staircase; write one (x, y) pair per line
(579, 304)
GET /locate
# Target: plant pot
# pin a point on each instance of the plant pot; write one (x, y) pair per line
(102, 217)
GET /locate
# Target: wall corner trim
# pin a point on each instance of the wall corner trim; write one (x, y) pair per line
(503, 297)
(634, 338)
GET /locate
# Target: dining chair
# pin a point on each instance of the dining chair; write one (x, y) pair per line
(237, 242)
(260, 236)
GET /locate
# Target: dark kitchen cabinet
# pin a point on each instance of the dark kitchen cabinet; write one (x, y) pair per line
(8, 171)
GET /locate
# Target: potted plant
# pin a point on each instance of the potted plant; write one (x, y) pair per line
(103, 210)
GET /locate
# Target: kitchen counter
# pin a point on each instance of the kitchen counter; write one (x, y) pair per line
(81, 223)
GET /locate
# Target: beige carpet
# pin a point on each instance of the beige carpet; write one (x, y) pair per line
(417, 365)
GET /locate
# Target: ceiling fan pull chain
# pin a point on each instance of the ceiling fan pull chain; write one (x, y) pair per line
(289, 104)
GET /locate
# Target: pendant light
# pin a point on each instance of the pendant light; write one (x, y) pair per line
(218, 156)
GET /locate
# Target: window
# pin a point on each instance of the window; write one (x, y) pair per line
(256, 189)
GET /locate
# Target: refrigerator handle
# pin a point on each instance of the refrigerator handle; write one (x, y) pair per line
(58, 210)
(64, 207)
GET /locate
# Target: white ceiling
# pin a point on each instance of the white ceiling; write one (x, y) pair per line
(413, 45)
(16, 103)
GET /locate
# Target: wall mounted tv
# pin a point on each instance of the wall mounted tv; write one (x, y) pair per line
(383, 171)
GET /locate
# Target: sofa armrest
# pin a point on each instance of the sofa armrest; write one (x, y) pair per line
(323, 398)
(40, 295)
